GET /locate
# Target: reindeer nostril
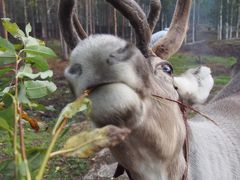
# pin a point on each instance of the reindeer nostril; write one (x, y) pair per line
(75, 69)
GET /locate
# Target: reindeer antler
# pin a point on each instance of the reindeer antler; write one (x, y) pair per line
(65, 14)
(133, 12)
(80, 31)
(154, 13)
(143, 26)
(170, 44)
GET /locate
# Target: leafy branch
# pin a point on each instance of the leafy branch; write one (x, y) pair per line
(32, 80)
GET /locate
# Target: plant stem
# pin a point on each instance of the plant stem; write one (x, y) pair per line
(49, 150)
(18, 114)
(16, 119)
(22, 145)
(15, 139)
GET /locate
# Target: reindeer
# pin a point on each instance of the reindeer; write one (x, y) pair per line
(125, 81)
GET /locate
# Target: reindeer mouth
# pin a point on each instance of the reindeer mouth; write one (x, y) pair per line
(113, 103)
(94, 87)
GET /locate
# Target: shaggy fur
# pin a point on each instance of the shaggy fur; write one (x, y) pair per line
(194, 85)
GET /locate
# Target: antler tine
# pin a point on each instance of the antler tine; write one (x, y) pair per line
(170, 44)
(154, 13)
(132, 11)
(80, 31)
(65, 13)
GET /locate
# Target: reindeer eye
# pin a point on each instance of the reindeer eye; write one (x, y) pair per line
(167, 68)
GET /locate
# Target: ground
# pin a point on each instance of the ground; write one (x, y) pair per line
(219, 56)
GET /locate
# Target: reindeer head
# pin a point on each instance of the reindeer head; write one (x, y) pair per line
(122, 78)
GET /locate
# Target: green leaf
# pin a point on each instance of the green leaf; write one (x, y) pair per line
(31, 41)
(6, 90)
(86, 143)
(36, 106)
(28, 29)
(5, 126)
(22, 96)
(35, 156)
(26, 71)
(18, 47)
(46, 74)
(4, 71)
(7, 57)
(7, 169)
(8, 115)
(39, 89)
(7, 100)
(71, 109)
(13, 29)
(40, 51)
(6, 45)
(38, 62)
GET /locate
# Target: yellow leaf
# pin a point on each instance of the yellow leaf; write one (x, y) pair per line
(80, 104)
(86, 143)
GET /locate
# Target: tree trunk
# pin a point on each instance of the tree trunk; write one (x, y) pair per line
(193, 21)
(43, 18)
(3, 32)
(109, 19)
(123, 27)
(231, 20)
(25, 12)
(238, 19)
(14, 10)
(227, 21)
(63, 47)
(33, 14)
(162, 21)
(115, 21)
(94, 3)
(86, 16)
(90, 17)
(220, 21)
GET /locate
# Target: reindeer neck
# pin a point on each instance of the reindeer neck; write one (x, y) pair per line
(154, 150)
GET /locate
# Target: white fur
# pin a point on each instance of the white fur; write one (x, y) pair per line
(158, 35)
(195, 84)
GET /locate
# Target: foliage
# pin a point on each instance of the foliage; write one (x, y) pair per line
(27, 78)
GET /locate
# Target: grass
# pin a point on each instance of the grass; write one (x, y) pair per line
(222, 80)
(182, 62)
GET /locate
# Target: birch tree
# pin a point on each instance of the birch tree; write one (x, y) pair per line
(193, 20)
(220, 28)
(238, 18)
(3, 33)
